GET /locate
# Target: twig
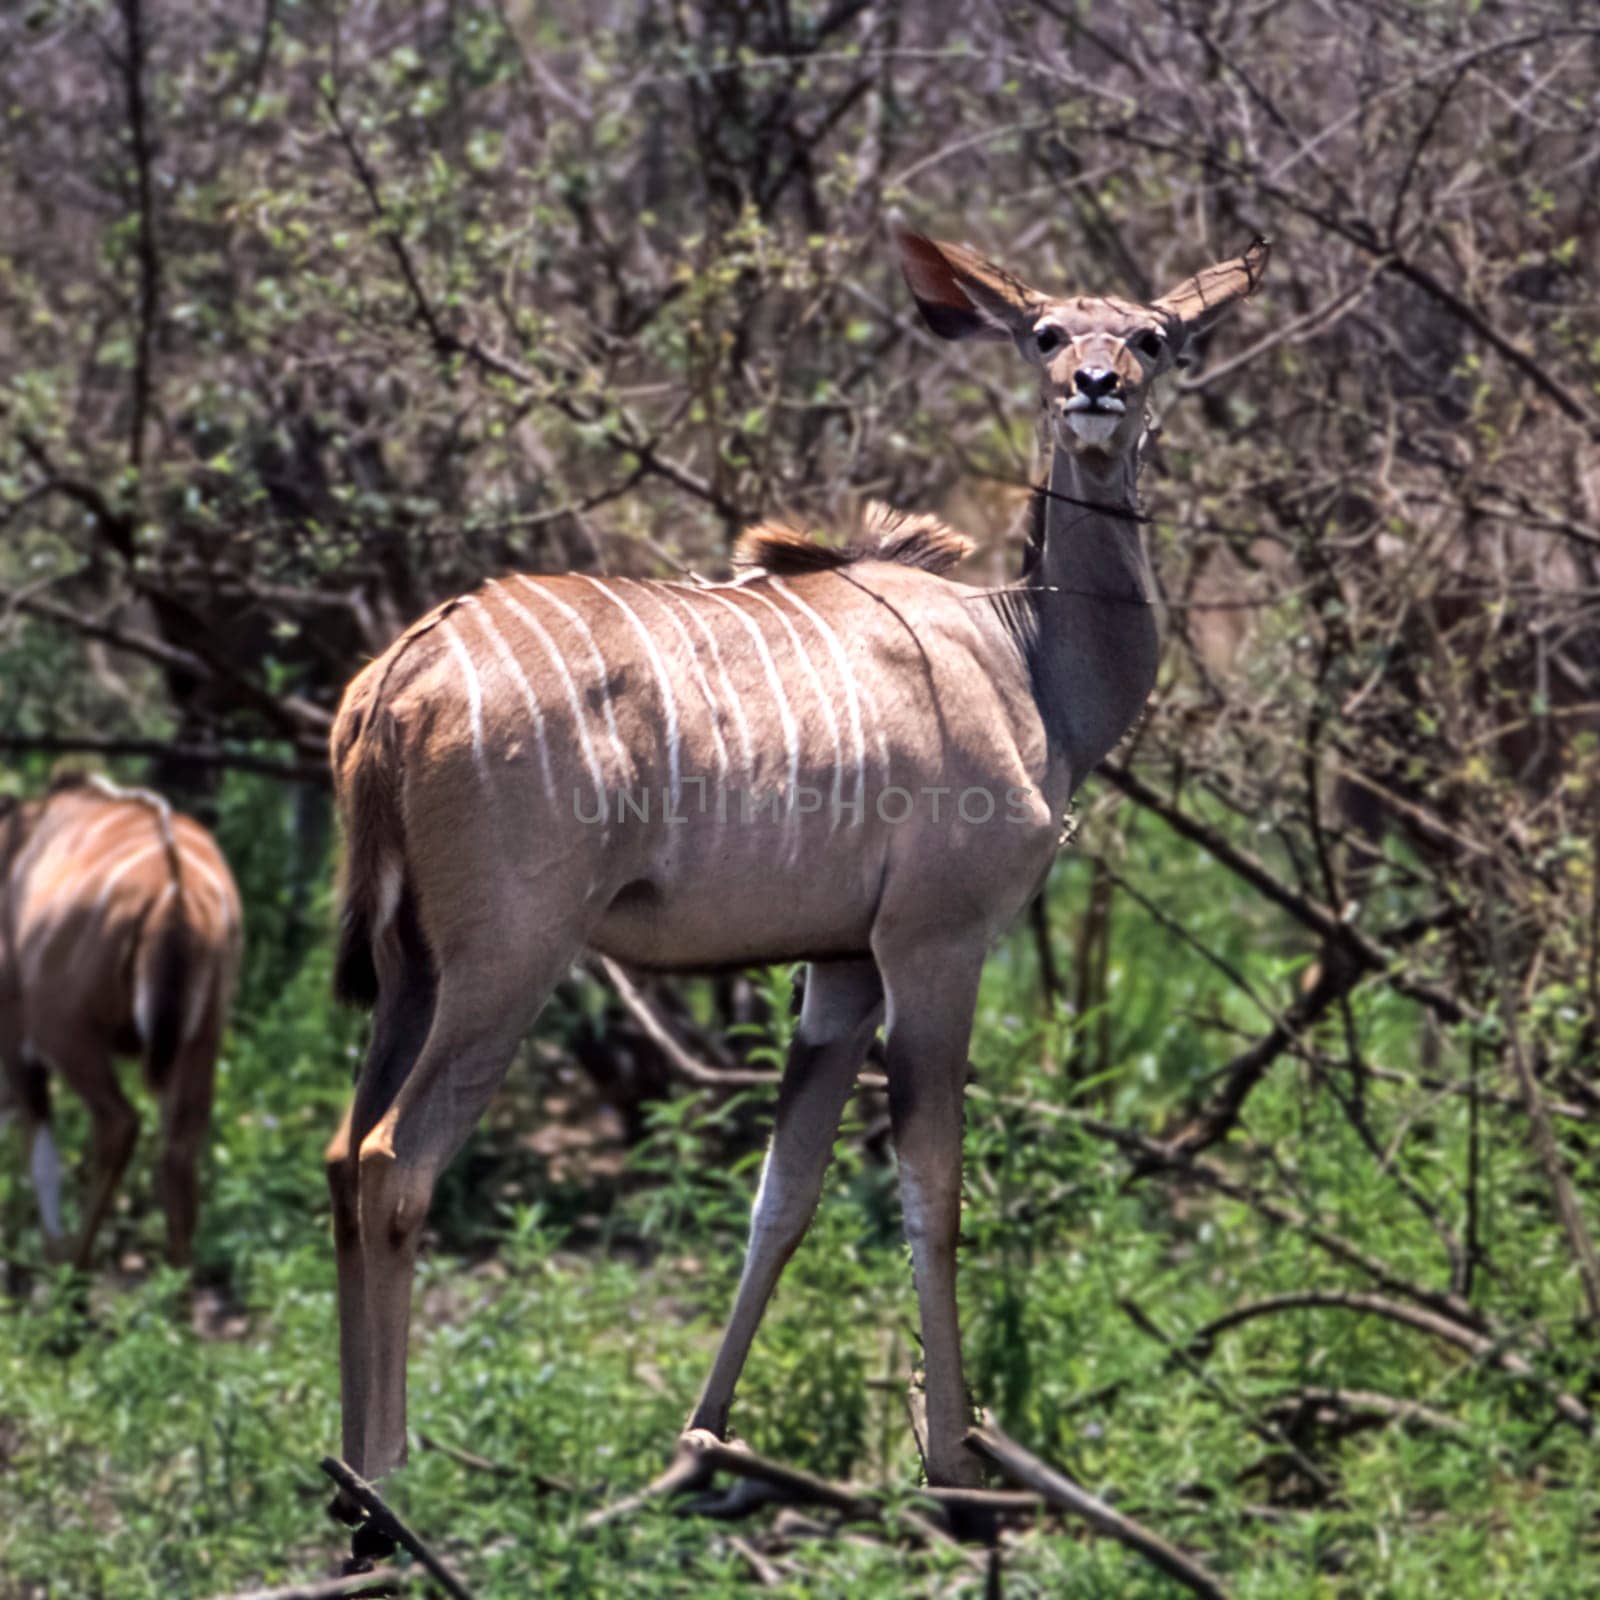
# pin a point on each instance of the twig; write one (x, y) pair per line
(796, 1485)
(299, 719)
(766, 1574)
(198, 755)
(1214, 1121)
(386, 1522)
(133, 70)
(381, 1580)
(1357, 1403)
(1361, 947)
(1027, 1469)
(1544, 1138)
(1478, 1345)
(494, 1469)
(1152, 1156)
(1267, 1431)
(686, 1471)
(447, 343)
(764, 1482)
(681, 1062)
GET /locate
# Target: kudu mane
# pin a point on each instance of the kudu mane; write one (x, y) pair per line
(910, 539)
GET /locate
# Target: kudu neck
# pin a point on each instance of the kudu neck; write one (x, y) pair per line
(1094, 653)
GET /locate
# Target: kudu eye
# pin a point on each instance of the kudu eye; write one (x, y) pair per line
(1047, 339)
(1149, 344)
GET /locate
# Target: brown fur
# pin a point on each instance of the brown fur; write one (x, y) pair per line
(119, 933)
(907, 538)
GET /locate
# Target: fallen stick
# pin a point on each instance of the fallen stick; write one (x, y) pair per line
(685, 1472)
(384, 1521)
(763, 1482)
(381, 1580)
(794, 1483)
(1331, 1405)
(1027, 1469)
(766, 1574)
(495, 1469)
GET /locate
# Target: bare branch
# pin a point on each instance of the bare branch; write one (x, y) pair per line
(198, 755)
(1058, 1490)
(685, 1065)
(1462, 1337)
(133, 72)
(380, 1581)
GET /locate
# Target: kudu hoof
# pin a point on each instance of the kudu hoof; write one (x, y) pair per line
(344, 1508)
(369, 1544)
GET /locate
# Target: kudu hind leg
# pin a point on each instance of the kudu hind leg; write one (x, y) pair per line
(399, 1031)
(26, 1091)
(475, 1031)
(86, 1065)
(843, 1005)
(932, 997)
(186, 1100)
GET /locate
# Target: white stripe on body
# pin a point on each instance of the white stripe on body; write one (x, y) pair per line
(693, 657)
(625, 762)
(579, 720)
(822, 695)
(513, 667)
(708, 633)
(191, 863)
(44, 923)
(114, 877)
(79, 845)
(791, 731)
(474, 696)
(855, 694)
(669, 702)
(86, 835)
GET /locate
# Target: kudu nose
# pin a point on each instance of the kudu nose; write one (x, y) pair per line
(1093, 383)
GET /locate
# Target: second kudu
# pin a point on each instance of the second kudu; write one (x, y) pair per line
(553, 764)
(120, 933)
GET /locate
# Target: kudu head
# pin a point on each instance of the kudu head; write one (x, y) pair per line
(1097, 356)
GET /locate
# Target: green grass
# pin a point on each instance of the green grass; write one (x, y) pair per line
(563, 1330)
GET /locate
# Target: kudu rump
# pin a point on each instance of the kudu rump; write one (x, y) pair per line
(119, 934)
(842, 757)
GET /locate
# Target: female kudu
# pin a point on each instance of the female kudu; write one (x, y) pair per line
(844, 758)
(119, 933)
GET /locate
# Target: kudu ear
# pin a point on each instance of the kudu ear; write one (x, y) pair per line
(1207, 297)
(962, 296)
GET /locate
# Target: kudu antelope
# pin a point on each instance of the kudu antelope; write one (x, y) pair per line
(120, 933)
(922, 738)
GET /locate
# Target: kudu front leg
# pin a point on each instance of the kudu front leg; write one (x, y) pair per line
(843, 1005)
(932, 996)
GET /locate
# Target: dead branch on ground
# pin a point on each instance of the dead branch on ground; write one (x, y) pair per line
(380, 1581)
(1053, 1486)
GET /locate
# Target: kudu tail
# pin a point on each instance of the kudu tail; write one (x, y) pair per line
(381, 943)
(163, 973)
